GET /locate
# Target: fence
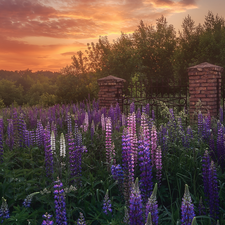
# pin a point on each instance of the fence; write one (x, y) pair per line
(204, 84)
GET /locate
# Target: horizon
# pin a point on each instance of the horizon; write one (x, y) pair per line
(41, 35)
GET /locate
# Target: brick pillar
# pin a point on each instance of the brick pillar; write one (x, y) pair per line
(110, 91)
(203, 85)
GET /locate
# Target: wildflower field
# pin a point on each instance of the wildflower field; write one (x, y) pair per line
(79, 164)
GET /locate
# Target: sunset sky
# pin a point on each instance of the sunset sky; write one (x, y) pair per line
(44, 34)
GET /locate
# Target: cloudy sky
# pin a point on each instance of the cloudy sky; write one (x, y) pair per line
(44, 34)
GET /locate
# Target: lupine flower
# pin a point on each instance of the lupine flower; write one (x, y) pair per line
(15, 129)
(28, 199)
(72, 156)
(213, 192)
(205, 173)
(117, 173)
(126, 215)
(48, 155)
(131, 127)
(158, 164)
(123, 120)
(47, 220)
(146, 170)
(103, 121)
(221, 114)
(128, 163)
(86, 122)
(60, 204)
(22, 128)
(92, 129)
(220, 145)
(153, 144)
(152, 207)
(10, 137)
(108, 142)
(153, 114)
(62, 146)
(4, 210)
(187, 208)
(69, 123)
(138, 116)
(81, 220)
(136, 208)
(107, 207)
(149, 219)
(53, 142)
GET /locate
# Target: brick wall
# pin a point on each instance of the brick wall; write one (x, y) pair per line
(203, 80)
(109, 87)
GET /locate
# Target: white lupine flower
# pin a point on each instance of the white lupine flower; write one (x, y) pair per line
(86, 122)
(53, 142)
(62, 145)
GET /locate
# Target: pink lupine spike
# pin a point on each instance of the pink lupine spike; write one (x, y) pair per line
(153, 144)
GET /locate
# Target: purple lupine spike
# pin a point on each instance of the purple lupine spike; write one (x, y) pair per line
(146, 170)
(15, 129)
(205, 173)
(10, 137)
(4, 210)
(1, 140)
(48, 155)
(69, 123)
(28, 199)
(136, 207)
(221, 114)
(220, 144)
(172, 126)
(145, 129)
(60, 204)
(47, 220)
(81, 220)
(92, 129)
(213, 192)
(72, 157)
(187, 208)
(153, 115)
(153, 144)
(147, 109)
(152, 207)
(132, 107)
(126, 157)
(22, 128)
(117, 173)
(107, 207)
(138, 117)
(158, 164)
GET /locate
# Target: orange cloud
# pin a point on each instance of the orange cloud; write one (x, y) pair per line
(69, 20)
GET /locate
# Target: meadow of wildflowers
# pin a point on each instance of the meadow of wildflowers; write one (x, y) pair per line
(79, 164)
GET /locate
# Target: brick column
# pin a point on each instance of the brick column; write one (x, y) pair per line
(110, 91)
(203, 85)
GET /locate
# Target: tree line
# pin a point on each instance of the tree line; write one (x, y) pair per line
(150, 52)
